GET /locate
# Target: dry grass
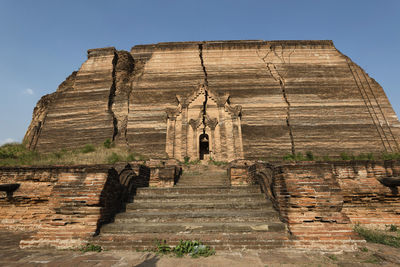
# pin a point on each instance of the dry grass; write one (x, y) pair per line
(17, 154)
(387, 237)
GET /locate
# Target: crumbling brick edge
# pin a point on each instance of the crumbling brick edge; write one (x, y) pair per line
(322, 202)
(66, 205)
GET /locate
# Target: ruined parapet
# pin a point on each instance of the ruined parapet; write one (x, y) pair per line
(321, 202)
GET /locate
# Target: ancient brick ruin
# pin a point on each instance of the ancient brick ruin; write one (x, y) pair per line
(218, 101)
(243, 99)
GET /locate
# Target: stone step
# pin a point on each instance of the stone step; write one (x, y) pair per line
(217, 246)
(200, 216)
(201, 205)
(190, 184)
(199, 180)
(202, 179)
(204, 227)
(204, 176)
(204, 199)
(227, 190)
(220, 216)
(202, 183)
(184, 197)
(218, 241)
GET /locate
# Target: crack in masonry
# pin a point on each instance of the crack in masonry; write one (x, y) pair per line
(202, 64)
(366, 102)
(205, 87)
(381, 111)
(277, 77)
(351, 63)
(112, 96)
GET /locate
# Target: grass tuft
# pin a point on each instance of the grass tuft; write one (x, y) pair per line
(17, 154)
(378, 237)
(217, 163)
(88, 148)
(185, 247)
(91, 248)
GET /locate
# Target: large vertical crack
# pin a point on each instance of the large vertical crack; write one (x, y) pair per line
(281, 80)
(123, 75)
(202, 64)
(112, 96)
(205, 83)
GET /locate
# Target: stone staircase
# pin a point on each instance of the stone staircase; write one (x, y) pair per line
(203, 175)
(201, 207)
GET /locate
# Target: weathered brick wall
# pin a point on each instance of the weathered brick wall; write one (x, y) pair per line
(311, 203)
(80, 202)
(366, 200)
(65, 205)
(239, 172)
(29, 207)
(163, 173)
(321, 202)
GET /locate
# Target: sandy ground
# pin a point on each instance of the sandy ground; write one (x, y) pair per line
(370, 255)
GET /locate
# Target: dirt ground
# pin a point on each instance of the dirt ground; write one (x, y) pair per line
(369, 255)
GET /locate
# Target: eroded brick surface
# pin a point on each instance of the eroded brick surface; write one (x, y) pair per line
(322, 202)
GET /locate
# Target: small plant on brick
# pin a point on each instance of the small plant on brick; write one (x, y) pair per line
(333, 257)
(131, 157)
(217, 163)
(108, 143)
(392, 228)
(88, 148)
(289, 157)
(113, 158)
(186, 160)
(185, 247)
(373, 259)
(310, 155)
(91, 248)
(364, 249)
(162, 247)
(193, 162)
(390, 156)
(345, 156)
(326, 158)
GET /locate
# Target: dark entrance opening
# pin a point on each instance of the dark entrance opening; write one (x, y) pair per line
(204, 145)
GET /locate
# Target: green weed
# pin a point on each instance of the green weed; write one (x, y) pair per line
(91, 248)
(333, 257)
(373, 260)
(309, 155)
(185, 247)
(377, 237)
(114, 158)
(217, 163)
(345, 156)
(88, 148)
(392, 228)
(108, 143)
(390, 156)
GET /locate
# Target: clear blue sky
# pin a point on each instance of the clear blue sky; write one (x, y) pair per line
(42, 42)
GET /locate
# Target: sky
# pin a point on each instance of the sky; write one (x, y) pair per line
(42, 42)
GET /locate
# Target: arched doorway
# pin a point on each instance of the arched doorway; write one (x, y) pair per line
(204, 145)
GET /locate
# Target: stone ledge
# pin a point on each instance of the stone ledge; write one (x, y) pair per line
(105, 51)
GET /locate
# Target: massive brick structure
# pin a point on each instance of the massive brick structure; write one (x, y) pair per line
(225, 99)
